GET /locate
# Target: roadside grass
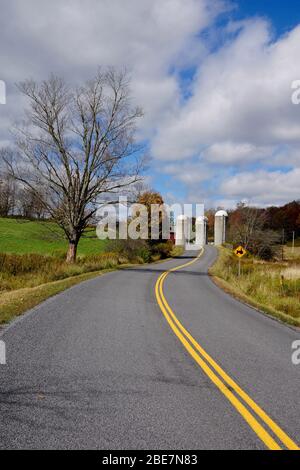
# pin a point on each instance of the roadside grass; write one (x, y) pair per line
(292, 255)
(19, 271)
(177, 251)
(28, 279)
(296, 242)
(273, 287)
(20, 236)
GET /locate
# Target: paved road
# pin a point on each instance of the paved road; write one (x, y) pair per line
(99, 366)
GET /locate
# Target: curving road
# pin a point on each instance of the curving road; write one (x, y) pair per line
(107, 365)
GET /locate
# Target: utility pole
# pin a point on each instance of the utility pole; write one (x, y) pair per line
(282, 245)
(293, 243)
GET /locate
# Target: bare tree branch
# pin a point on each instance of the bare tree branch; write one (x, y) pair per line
(77, 144)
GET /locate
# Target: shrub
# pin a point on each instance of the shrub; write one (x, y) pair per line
(29, 263)
(163, 249)
(130, 249)
(100, 261)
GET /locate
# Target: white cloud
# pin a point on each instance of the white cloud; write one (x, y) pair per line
(263, 187)
(238, 113)
(242, 94)
(74, 37)
(238, 153)
(188, 172)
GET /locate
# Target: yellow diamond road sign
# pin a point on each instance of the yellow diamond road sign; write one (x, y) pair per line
(240, 251)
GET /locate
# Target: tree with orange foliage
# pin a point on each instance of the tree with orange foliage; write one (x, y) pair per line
(153, 201)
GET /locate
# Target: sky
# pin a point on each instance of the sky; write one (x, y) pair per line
(214, 78)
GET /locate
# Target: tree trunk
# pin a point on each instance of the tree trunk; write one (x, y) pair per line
(72, 251)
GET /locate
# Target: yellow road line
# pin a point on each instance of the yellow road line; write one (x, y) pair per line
(259, 411)
(183, 335)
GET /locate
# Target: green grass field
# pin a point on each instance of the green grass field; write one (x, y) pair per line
(23, 236)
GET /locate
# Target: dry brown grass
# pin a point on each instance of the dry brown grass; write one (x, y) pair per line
(20, 271)
(26, 280)
(271, 286)
(291, 273)
(292, 255)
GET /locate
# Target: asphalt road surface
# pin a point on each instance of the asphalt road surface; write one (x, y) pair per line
(136, 359)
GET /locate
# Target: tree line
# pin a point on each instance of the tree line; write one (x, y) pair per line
(18, 200)
(261, 230)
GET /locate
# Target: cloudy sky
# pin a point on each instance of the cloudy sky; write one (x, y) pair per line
(214, 79)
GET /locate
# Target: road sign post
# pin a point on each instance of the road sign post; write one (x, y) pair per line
(239, 252)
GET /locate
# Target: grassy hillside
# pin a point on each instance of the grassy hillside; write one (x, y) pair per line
(23, 236)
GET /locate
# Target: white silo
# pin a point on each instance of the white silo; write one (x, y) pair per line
(220, 227)
(201, 231)
(182, 229)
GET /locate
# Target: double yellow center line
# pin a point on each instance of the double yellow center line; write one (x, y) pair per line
(241, 401)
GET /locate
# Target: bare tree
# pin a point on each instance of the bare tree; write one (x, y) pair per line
(78, 144)
(7, 194)
(31, 203)
(245, 221)
(247, 228)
